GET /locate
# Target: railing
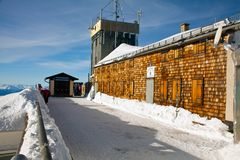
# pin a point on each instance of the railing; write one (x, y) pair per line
(45, 153)
(44, 148)
(234, 18)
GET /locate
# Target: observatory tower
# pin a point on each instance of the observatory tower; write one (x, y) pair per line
(108, 34)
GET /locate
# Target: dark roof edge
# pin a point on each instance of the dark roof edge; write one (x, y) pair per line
(71, 77)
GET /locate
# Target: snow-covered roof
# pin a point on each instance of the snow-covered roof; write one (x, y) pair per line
(123, 50)
(127, 51)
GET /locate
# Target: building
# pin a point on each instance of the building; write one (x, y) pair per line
(103, 38)
(190, 69)
(106, 34)
(61, 85)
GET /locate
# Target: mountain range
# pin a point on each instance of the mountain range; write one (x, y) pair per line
(7, 89)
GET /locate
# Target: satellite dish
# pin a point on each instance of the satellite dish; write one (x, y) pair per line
(218, 36)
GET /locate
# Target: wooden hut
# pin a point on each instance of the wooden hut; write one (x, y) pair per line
(61, 85)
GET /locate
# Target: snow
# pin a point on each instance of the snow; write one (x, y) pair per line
(7, 89)
(103, 133)
(204, 139)
(230, 152)
(126, 50)
(119, 52)
(179, 119)
(13, 108)
(176, 117)
(14, 87)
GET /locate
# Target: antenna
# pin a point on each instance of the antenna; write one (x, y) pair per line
(116, 18)
(101, 14)
(139, 15)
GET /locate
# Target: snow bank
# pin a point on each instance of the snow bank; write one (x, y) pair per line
(91, 95)
(13, 107)
(230, 152)
(178, 118)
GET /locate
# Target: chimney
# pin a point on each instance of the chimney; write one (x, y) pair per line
(184, 27)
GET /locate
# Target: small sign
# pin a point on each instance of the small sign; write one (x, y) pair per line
(151, 72)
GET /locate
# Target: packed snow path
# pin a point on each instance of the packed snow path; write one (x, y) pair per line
(97, 132)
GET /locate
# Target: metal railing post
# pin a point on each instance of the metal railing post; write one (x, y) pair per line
(19, 157)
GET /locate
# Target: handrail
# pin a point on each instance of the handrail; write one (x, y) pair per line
(44, 147)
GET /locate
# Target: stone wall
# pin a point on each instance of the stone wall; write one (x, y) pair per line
(199, 61)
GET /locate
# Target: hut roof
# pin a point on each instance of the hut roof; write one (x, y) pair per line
(61, 75)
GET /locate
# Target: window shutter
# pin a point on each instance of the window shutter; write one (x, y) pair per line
(163, 90)
(131, 88)
(194, 91)
(197, 91)
(176, 89)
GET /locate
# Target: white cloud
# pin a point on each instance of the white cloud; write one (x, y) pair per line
(66, 65)
(34, 29)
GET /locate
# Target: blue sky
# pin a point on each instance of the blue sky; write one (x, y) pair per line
(39, 38)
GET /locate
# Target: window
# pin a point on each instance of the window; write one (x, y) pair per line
(200, 48)
(122, 65)
(178, 53)
(197, 91)
(164, 57)
(131, 88)
(131, 63)
(163, 90)
(171, 55)
(96, 41)
(103, 37)
(100, 86)
(114, 66)
(176, 92)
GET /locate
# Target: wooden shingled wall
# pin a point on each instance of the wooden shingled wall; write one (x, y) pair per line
(192, 76)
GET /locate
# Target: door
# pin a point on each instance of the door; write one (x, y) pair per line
(149, 90)
(62, 88)
(96, 88)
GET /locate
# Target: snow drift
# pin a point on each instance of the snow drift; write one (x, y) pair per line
(176, 117)
(13, 108)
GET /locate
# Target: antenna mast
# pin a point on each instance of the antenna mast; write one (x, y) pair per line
(116, 19)
(139, 15)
